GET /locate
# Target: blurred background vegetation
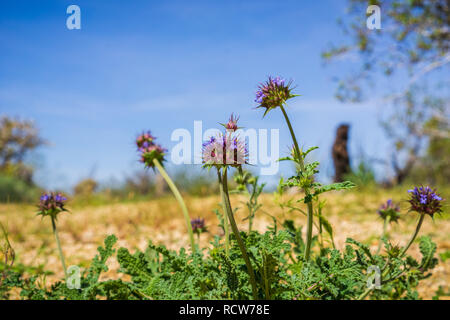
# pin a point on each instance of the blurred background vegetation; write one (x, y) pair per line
(413, 45)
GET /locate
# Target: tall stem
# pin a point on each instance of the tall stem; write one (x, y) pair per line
(178, 196)
(419, 224)
(250, 204)
(385, 224)
(225, 215)
(416, 232)
(238, 235)
(61, 256)
(302, 168)
(365, 294)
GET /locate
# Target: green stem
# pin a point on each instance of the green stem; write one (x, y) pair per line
(225, 218)
(385, 224)
(302, 168)
(61, 256)
(238, 235)
(250, 222)
(419, 224)
(178, 196)
(365, 294)
(320, 231)
(249, 205)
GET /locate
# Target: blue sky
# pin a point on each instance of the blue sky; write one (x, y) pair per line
(161, 65)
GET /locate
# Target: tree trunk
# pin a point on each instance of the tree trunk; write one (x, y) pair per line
(341, 158)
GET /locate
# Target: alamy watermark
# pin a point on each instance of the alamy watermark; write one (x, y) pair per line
(262, 147)
(374, 280)
(74, 20)
(374, 20)
(73, 280)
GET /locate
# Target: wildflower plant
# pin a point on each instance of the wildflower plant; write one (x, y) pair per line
(222, 152)
(152, 155)
(198, 227)
(248, 184)
(275, 93)
(389, 212)
(279, 263)
(424, 201)
(51, 205)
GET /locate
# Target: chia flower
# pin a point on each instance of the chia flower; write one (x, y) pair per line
(198, 226)
(152, 155)
(144, 140)
(149, 150)
(425, 200)
(273, 93)
(50, 204)
(389, 209)
(232, 123)
(224, 150)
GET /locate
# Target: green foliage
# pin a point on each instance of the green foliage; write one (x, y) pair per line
(280, 270)
(85, 188)
(269, 265)
(13, 189)
(247, 184)
(445, 255)
(363, 176)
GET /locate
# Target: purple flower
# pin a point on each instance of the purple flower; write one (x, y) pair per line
(198, 225)
(153, 152)
(144, 140)
(389, 209)
(425, 200)
(149, 150)
(224, 150)
(278, 81)
(51, 204)
(273, 93)
(232, 123)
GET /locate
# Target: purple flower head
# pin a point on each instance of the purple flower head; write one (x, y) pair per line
(278, 81)
(52, 203)
(151, 153)
(425, 200)
(144, 140)
(198, 226)
(273, 93)
(149, 150)
(232, 123)
(389, 209)
(224, 150)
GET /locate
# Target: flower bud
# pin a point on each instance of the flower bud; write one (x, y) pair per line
(198, 226)
(389, 209)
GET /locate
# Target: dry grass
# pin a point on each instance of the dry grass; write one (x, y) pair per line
(351, 214)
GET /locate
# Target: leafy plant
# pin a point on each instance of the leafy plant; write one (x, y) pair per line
(276, 264)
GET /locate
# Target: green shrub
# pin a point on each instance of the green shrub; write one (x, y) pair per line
(15, 190)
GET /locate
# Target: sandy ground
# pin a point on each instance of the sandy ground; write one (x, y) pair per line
(84, 229)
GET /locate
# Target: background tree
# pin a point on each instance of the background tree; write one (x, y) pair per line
(407, 62)
(85, 188)
(341, 158)
(17, 139)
